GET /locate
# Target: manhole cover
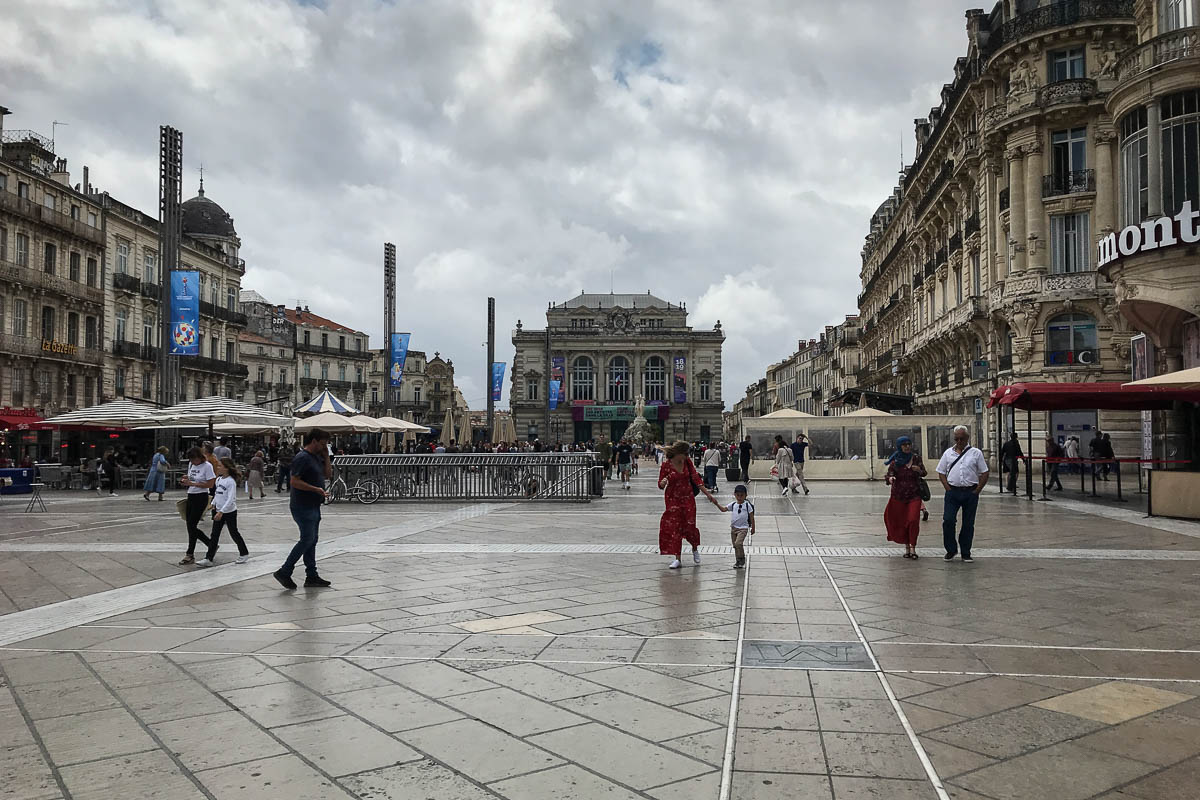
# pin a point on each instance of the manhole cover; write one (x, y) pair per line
(805, 655)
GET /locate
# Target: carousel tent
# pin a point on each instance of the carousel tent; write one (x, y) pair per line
(326, 402)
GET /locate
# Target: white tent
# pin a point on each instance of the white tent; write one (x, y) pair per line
(115, 414)
(1183, 379)
(391, 424)
(366, 424)
(334, 423)
(785, 413)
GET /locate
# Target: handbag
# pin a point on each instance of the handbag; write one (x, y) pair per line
(923, 489)
(181, 507)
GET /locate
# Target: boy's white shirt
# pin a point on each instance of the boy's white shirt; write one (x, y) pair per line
(740, 519)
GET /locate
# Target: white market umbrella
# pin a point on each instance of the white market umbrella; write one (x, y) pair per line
(447, 432)
(392, 424)
(227, 429)
(465, 436)
(328, 421)
(325, 401)
(869, 412)
(785, 413)
(1183, 379)
(115, 414)
(365, 424)
(211, 411)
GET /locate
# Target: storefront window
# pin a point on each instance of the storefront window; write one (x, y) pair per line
(1071, 340)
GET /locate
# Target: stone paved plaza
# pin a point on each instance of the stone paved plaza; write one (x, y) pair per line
(543, 651)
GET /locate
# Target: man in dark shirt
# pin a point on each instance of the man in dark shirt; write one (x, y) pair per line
(1010, 456)
(746, 452)
(798, 448)
(310, 469)
(624, 459)
(284, 468)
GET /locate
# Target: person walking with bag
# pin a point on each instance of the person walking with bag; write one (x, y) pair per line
(255, 480)
(225, 514)
(681, 483)
(311, 467)
(798, 448)
(156, 479)
(963, 472)
(902, 517)
(199, 480)
(784, 466)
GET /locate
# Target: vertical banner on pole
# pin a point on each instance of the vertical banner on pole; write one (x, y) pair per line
(555, 387)
(397, 354)
(497, 380)
(185, 313)
(557, 369)
(680, 379)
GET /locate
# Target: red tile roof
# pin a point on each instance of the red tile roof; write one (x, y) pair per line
(247, 336)
(309, 318)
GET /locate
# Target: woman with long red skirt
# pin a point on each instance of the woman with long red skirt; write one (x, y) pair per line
(680, 480)
(902, 517)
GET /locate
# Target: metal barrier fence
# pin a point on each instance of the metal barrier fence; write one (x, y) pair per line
(574, 477)
(1099, 472)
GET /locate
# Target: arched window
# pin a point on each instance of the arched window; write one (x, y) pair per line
(1180, 150)
(583, 379)
(1071, 340)
(654, 380)
(618, 379)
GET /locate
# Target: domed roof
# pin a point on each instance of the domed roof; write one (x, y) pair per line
(204, 217)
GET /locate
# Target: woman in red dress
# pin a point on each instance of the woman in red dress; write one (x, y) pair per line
(678, 477)
(902, 517)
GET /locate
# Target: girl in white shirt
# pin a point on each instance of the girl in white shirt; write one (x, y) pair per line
(225, 513)
(200, 478)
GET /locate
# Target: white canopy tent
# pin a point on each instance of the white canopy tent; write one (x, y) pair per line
(212, 411)
(326, 401)
(1183, 379)
(334, 423)
(115, 414)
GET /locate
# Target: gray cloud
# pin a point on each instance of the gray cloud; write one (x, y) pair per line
(728, 155)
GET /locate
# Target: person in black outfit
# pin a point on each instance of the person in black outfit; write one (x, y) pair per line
(1010, 455)
(798, 448)
(746, 452)
(1053, 450)
(1105, 450)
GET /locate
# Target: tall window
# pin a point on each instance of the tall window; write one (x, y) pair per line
(1071, 339)
(47, 322)
(231, 298)
(1068, 158)
(324, 370)
(50, 201)
(1180, 150)
(618, 379)
(22, 250)
(70, 392)
(146, 385)
(1070, 247)
(3, 244)
(654, 380)
(417, 394)
(1066, 64)
(341, 343)
(1176, 14)
(89, 389)
(1135, 169)
(120, 381)
(583, 379)
(49, 258)
(307, 369)
(148, 330)
(90, 335)
(229, 352)
(122, 318)
(341, 372)
(531, 389)
(74, 267)
(705, 389)
(73, 328)
(976, 274)
(958, 286)
(18, 386)
(324, 341)
(91, 272)
(122, 261)
(19, 317)
(214, 293)
(212, 348)
(358, 374)
(149, 266)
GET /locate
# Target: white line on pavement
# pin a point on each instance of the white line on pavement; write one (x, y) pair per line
(1036, 647)
(735, 691)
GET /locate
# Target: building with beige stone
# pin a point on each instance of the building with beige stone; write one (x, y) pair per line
(981, 268)
(416, 397)
(331, 356)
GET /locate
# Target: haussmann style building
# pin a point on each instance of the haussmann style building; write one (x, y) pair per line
(607, 351)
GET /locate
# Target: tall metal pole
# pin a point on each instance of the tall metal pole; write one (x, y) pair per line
(389, 322)
(170, 234)
(491, 359)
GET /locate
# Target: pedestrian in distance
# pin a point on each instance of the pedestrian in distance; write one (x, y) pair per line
(1106, 452)
(254, 480)
(156, 479)
(225, 514)
(784, 468)
(745, 453)
(1054, 452)
(283, 469)
(678, 478)
(111, 474)
(798, 448)
(902, 517)
(741, 524)
(963, 473)
(311, 467)
(199, 480)
(1071, 449)
(712, 464)
(222, 450)
(1010, 458)
(624, 458)
(605, 453)
(211, 457)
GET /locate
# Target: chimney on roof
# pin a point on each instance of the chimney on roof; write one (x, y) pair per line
(306, 311)
(60, 174)
(298, 308)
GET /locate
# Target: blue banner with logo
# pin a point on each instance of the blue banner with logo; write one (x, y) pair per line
(497, 380)
(554, 387)
(397, 354)
(185, 313)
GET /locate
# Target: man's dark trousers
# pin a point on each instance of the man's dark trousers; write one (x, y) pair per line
(308, 520)
(968, 501)
(1013, 472)
(745, 470)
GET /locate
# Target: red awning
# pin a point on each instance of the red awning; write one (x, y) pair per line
(24, 422)
(1106, 396)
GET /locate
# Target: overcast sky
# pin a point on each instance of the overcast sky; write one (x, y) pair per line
(724, 154)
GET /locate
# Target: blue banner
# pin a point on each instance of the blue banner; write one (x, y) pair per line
(497, 380)
(554, 387)
(397, 355)
(185, 313)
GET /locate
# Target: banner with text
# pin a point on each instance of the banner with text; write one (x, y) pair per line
(185, 313)
(557, 372)
(680, 379)
(555, 387)
(397, 355)
(497, 380)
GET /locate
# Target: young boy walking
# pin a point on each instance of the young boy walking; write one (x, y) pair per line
(741, 524)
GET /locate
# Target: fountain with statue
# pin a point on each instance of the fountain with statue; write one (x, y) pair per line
(640, 431)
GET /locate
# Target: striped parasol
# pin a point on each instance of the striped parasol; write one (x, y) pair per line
(118, 413)
(326, 401)
(211, 411)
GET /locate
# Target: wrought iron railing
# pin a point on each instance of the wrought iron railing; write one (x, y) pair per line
(145, 352)
(955, 243)
(1073, 182)
(1056, 15)
(935, 186)
(327, 350)
(151, 290)
(972, 225)
(476, 476)
(126, 282)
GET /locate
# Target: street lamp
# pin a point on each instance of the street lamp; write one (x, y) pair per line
(685, 421)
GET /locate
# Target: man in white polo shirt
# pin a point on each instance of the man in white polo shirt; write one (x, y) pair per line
(963, 473)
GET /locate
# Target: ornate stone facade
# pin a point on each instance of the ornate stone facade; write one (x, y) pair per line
(607, 349)
(980, 269)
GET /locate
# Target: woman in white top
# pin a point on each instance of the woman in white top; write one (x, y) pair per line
(785, 466)
(225, 513)
(200, 478)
